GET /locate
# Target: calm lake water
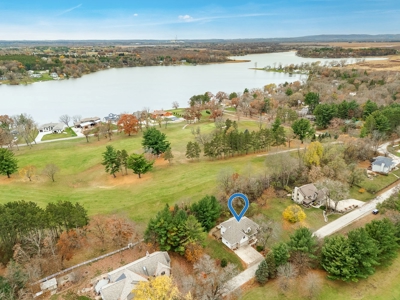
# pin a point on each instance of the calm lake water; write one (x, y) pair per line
(131, 89)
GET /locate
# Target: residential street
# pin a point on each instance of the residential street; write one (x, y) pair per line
(353, 216)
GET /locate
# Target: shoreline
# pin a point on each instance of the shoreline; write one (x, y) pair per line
(8, 83)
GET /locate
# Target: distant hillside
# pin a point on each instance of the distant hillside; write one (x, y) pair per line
(302, 39)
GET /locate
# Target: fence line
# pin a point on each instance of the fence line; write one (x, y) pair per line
(130, 245)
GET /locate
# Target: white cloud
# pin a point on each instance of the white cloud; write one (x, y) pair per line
(186, 18)
(135, 15)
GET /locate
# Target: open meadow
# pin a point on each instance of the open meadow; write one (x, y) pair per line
(83, 179)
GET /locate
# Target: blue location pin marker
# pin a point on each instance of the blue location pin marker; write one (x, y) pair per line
(246, 205)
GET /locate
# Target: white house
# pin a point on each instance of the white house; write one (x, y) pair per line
(52, 127)
(118, 284)
(87, 122)
(235, 234)
(308, 194)
(383, 165)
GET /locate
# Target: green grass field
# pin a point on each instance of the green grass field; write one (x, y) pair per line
(55, 136)
(82, 177)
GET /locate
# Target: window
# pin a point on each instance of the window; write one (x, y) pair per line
(163, 273)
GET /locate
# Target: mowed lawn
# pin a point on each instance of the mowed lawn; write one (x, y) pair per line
(82, 177)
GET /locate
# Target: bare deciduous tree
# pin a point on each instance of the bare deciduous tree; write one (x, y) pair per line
(76, 119)
(285, 273)
(65, 119)
(50, 170)
(211, 279)
(175, 104)
(313, 285)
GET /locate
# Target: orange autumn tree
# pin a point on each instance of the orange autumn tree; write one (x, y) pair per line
(69, 241)
(128, 124)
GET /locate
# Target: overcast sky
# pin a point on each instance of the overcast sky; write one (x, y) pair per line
(90, 19)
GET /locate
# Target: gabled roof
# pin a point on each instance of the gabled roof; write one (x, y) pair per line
(387, 161)
(51, 125)
(308, 190)
(123, 280)
(236, 230)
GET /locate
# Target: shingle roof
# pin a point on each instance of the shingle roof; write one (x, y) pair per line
(387, 161)
(236, 230)
(308, 190)
(123, 280)
(51, 125)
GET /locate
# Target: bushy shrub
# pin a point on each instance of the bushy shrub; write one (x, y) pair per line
(224, 262)
(294, 213)
(259, 248)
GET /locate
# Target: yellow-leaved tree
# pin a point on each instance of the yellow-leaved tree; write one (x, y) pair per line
(158, 288)
(313, 154)
(294, 213)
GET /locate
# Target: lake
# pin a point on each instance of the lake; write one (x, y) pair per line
(131, 89)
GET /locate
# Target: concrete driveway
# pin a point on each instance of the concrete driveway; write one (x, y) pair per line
(249, 255)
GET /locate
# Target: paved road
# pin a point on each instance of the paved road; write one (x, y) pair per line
(241, 279)
(355, 215)
(364, 210)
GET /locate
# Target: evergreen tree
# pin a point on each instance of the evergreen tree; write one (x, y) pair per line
(270, 259)
(123, 159)
(193, 150)
(278, 133)
(383, 233)
(302, 240)
(324, 113)
(207, 211)
(111, 160)
(194, 230)
(155, 141)
(281, 254)
(168, 230)
(8, 164)
(262, 272)
(139, 164)
(337, 259)
(369, 108)
(312, 100)
(168, 155)
(364, 250)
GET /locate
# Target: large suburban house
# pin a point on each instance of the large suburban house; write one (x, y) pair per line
(308, 194)
(118, 284)
(112, 117)
(383, 165)
(235, 234)
(87, 122)
(52, 127)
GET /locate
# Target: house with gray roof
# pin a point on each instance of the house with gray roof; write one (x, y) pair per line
(308, 194)
(112, 118)
(118, 284)
(235, 234)
(52, 127)
(383, 165)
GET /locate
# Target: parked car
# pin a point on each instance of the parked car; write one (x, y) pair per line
(375, 211)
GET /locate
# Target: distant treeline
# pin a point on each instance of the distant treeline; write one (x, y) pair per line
(338, 52)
